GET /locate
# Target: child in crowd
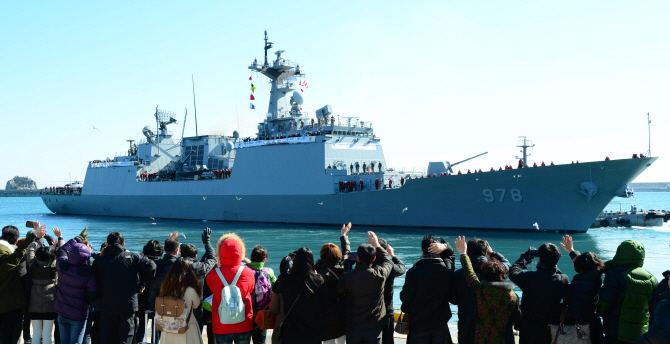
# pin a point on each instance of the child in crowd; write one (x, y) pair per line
(262, 294)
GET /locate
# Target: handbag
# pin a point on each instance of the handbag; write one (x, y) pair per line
(577, 334)
(402, 325)
(265, 320)
(280, 332)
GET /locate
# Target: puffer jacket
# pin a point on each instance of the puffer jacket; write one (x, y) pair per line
(659, 331)
(12, 296)
(625, 294)
(44, 278)
(230, 249)
(364, 289)
(77, 285)
(333, 312)
(119, 273)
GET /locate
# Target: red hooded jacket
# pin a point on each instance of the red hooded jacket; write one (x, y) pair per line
(230, 249)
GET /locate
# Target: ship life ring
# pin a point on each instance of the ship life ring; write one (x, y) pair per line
(604, 223)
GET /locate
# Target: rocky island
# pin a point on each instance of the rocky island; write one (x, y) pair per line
(20, 186)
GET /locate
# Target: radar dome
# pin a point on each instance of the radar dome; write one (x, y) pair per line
(148, 131)
(229, 146)
(236, 134)
(260, 127)
(298, 97)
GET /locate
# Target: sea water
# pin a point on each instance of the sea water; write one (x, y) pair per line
(280, 239)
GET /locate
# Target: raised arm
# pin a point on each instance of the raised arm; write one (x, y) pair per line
(30, 254)
(470, 276)
(398, 265)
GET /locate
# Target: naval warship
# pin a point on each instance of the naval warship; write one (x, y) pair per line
(304, 169)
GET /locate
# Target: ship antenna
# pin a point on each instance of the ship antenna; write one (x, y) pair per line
(268, 45)
(649, 133)
(195, 110)
(184, 126)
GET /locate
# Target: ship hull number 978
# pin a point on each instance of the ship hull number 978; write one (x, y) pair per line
(499, 195)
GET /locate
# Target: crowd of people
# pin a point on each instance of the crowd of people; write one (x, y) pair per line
(106, 295)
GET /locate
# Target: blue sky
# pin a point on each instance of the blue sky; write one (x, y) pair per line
(440, 80)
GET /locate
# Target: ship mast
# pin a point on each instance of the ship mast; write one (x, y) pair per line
(281, 73)
(525, 144)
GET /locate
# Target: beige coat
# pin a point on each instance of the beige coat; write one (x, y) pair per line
(277, 306)
(192, 335)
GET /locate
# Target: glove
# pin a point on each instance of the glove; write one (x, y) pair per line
(84, 233)
(206, 235)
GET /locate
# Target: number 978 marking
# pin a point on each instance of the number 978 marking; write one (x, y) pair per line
(499, 195)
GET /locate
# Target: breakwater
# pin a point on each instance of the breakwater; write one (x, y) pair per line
(19, 193)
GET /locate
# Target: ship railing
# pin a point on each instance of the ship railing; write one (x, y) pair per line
(61, 192)
(282, 62)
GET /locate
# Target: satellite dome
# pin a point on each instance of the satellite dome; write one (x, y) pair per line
(298, 97)
(229, 146)
(148, 131)
(236, 134)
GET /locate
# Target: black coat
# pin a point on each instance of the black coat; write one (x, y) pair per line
(364, 289)
(657, 296)
(659, 331)
(581, 300)
(542, 293)
(462, 296)
(425, 294)
(304, 323)
(334, 316)
(397, 271)
(163, 265)
(117, 272)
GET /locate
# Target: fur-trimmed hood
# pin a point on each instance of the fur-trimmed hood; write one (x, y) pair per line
(230, 250)
(6, 246)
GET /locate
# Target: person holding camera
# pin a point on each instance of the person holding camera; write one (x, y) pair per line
(12, 296)
(542, 290)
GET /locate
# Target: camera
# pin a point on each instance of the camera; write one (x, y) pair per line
(533, 251)
(29, 224)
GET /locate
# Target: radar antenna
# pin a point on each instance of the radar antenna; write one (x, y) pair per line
(525, 144)
(163, 118)
(268, 46)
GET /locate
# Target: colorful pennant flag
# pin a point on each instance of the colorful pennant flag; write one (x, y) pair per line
(249, 78)
(301, 90)
(251, 106)
(252, 97)
(253, 88)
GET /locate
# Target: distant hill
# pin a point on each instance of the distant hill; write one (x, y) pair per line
(21, 183)
(650, 187)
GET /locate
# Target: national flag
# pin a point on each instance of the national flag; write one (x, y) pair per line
(252, 97)
(249, 78)
(253, 88)
(251, 106)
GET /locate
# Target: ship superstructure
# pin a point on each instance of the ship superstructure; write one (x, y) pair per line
(322, 169)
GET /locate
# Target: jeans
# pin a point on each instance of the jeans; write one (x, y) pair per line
(371, 336)
(71, 331)
(439, 335)
(237, 338)
(11, 326)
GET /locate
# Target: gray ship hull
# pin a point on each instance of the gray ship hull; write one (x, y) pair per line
(542, 198)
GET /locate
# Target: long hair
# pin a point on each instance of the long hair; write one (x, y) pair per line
(179, 277)
(303, 268)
